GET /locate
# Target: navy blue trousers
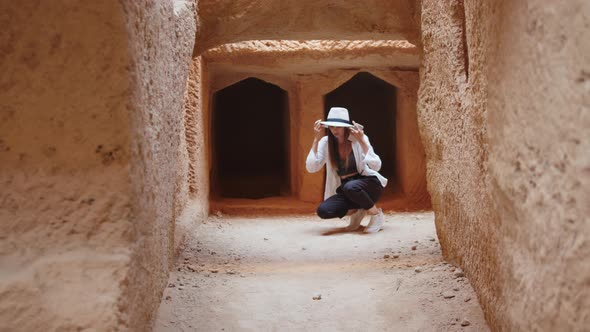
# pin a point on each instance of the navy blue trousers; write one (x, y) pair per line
(358, 192)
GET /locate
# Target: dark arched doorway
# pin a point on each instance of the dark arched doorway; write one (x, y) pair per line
(371, 102)
(250, 141)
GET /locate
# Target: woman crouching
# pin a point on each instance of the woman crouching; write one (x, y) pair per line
(352, 180)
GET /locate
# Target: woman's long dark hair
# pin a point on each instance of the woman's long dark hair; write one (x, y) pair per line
(333, 147)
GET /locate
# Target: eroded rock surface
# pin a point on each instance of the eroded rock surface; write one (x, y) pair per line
(501, 111)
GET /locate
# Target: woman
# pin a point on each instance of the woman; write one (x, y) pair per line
(352, 180)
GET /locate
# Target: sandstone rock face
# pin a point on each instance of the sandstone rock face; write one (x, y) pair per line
(91, 149)
(539, 160)
(501, 111)
(67, 212)
(308, 70)
(196, 124)
(227, 21)
(161, 38)
(281, 57)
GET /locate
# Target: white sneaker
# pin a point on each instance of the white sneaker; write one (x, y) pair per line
(355, 220)
(376, 223)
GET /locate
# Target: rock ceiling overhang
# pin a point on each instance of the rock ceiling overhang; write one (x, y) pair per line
(229, 21)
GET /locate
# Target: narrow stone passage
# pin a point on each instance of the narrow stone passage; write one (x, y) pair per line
(268, 273)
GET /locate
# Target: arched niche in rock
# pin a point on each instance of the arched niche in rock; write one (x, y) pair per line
(250, 137)
(371, 102)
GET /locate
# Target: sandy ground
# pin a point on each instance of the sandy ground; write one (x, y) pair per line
(268, 274)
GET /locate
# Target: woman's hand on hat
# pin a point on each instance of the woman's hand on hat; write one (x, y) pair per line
(318, 130)
(357, 130)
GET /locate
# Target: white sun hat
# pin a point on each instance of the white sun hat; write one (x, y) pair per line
(337, 117)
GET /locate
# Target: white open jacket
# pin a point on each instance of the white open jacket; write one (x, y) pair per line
(366, 164)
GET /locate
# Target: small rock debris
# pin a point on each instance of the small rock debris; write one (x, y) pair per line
(448, 295)
(317, 297)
